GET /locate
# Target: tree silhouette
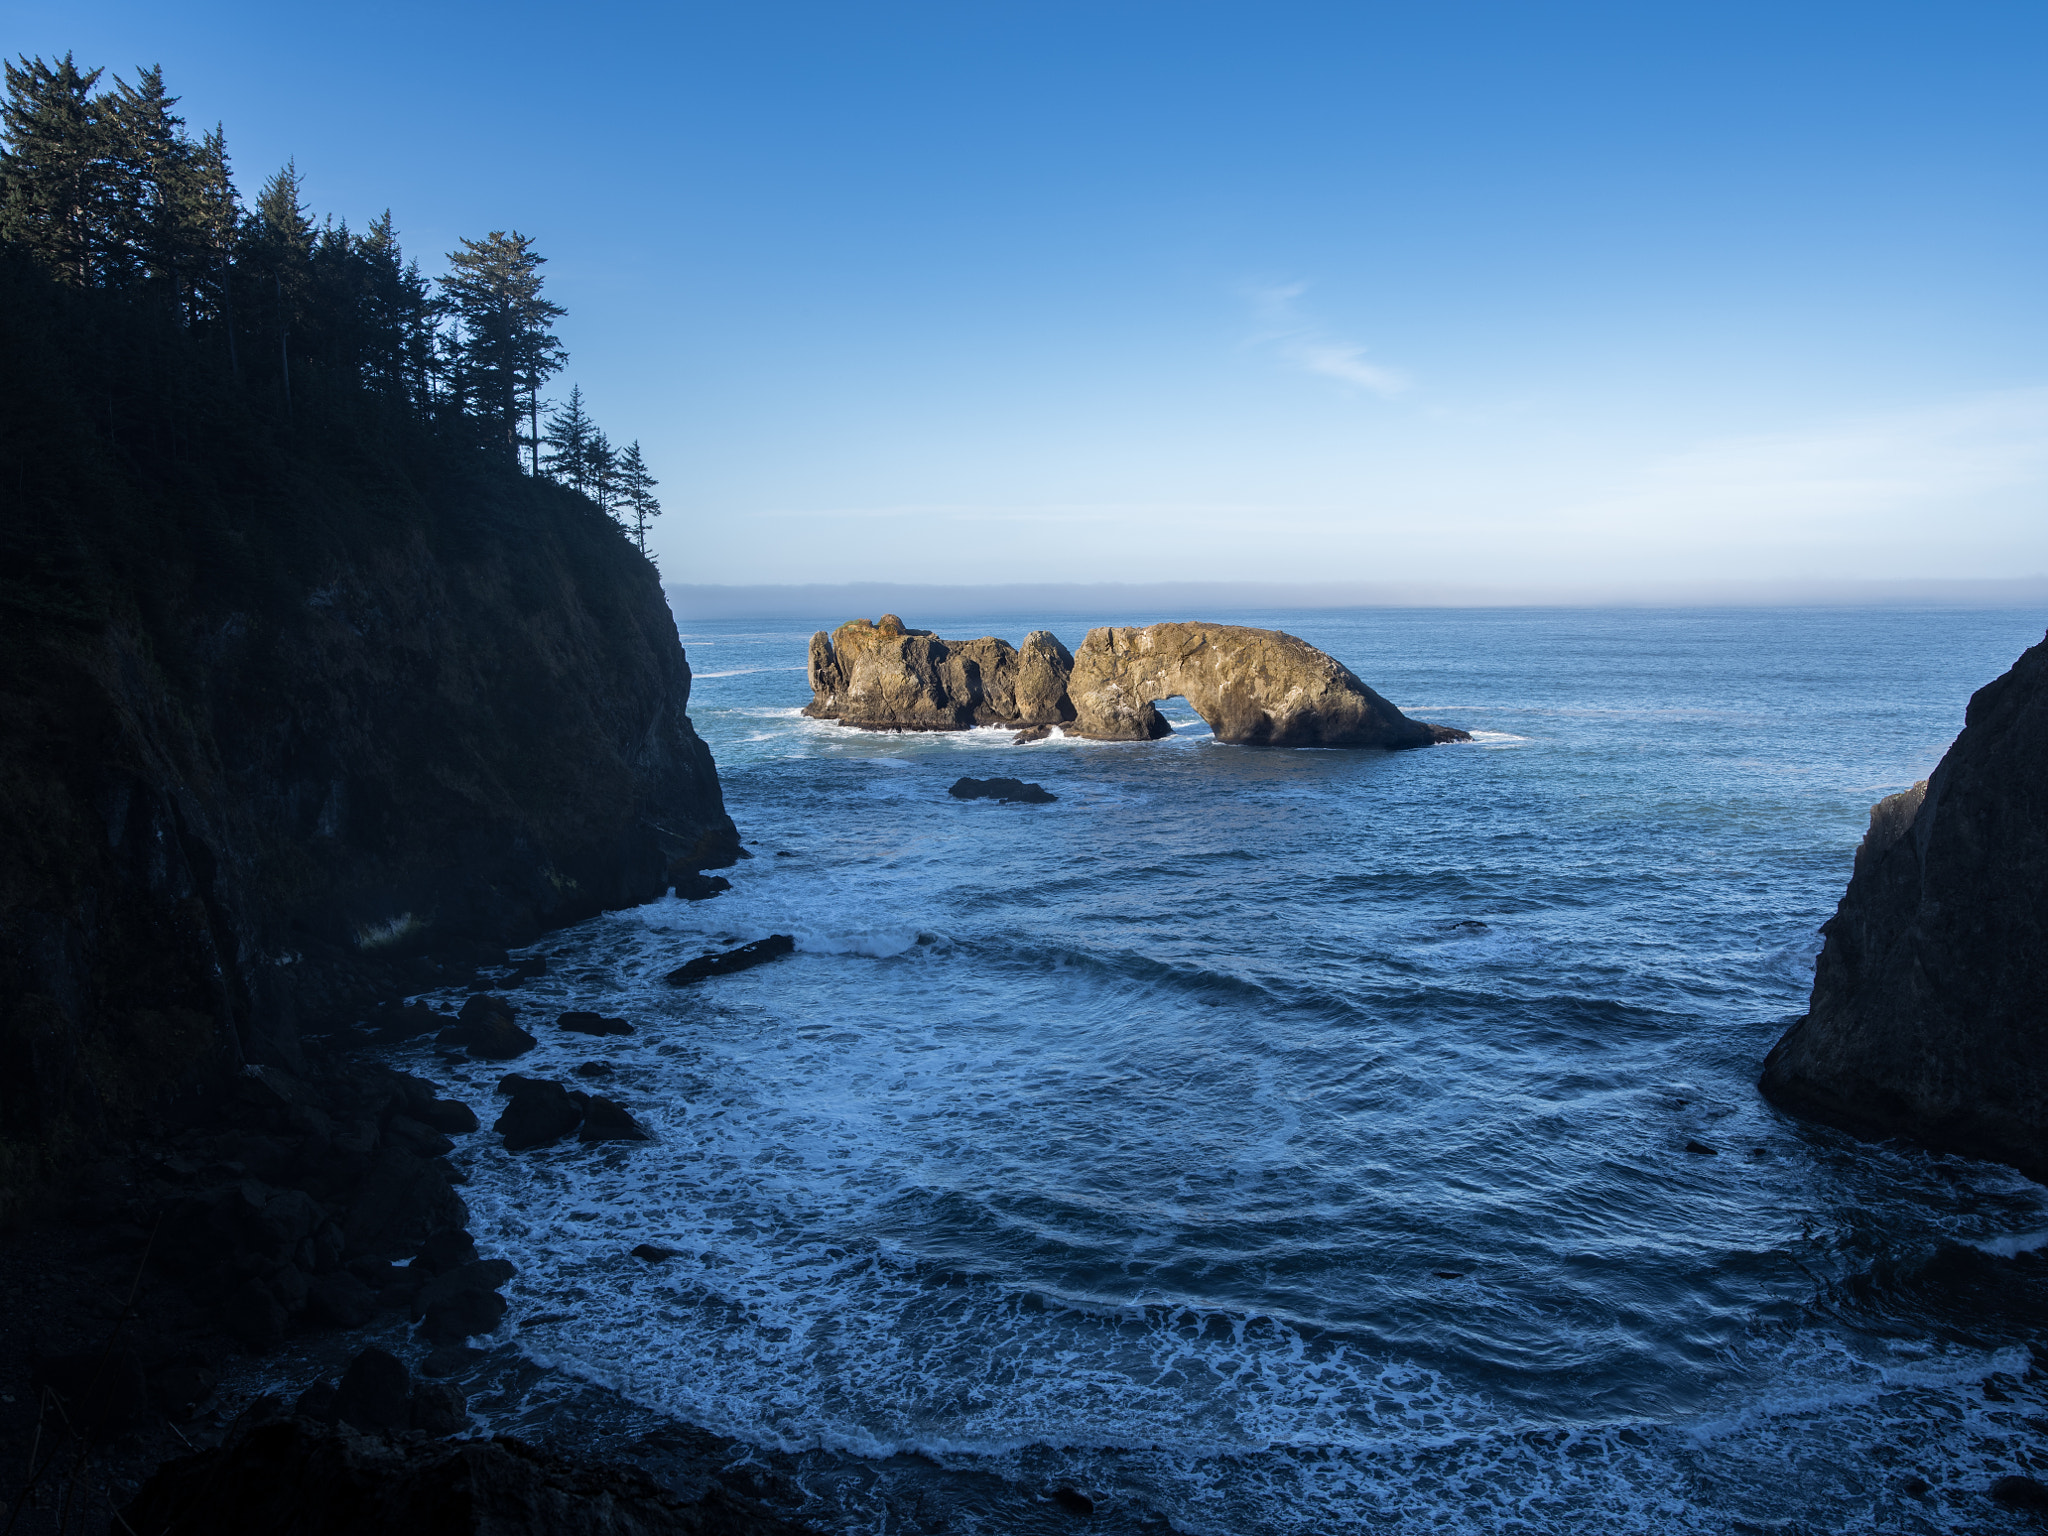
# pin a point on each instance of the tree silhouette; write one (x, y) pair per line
(505, 351)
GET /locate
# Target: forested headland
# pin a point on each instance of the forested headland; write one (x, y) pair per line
(329, 657)
(167, 322)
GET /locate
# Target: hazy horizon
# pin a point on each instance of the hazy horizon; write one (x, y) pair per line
(1150, 602)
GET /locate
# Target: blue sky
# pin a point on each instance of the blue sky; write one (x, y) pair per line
(965, 292)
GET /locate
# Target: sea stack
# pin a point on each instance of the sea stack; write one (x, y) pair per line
(883, 676)
(1929, 1015)
(1259, 687)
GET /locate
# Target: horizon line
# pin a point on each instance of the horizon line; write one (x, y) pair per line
(709, 600)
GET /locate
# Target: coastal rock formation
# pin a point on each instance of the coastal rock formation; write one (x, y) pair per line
(1255, 686)
(1929, 1014)
(884, 677)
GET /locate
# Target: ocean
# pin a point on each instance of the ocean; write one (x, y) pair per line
(1261, 1141)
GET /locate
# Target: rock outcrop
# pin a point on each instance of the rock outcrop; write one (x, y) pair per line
(1929, 1014)
(884, 677)
(1259, 687)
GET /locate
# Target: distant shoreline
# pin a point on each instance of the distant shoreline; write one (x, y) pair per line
(924, 602)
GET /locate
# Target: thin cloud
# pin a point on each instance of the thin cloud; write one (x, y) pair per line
(1292, 336)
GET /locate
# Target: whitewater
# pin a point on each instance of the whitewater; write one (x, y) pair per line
(1260, 1141)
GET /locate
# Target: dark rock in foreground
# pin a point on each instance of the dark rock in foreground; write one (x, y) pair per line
(607, 1120)
(298, 1475)
(1929, 1014)
(485, 1029)
(1008, 791)
(541, 1112)
(745, 958)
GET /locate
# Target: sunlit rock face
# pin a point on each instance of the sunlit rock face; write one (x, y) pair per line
(1929, 1015)
(1254, 686)
(882, 676)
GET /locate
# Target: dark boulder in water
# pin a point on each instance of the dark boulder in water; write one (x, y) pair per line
(464, 1301)
(541, 1112)
(1929, 1014)
(1073, 1501)
(607, 1120)
(745, 958)
(485, 1029)
(691, 885)
(578, 1022)
(652, 1254)
(1007, 791)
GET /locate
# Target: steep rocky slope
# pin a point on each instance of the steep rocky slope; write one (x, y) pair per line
(1929, 1015)
(294, 709)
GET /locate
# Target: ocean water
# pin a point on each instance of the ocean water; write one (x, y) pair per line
(1262, 1141)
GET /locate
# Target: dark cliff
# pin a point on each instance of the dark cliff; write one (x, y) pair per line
(1929, 1015)
(292, 700)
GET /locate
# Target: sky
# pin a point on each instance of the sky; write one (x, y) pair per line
(1356, 292)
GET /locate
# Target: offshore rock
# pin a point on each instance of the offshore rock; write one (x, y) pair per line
(884, 677)
(1929, 1013)
(1258, 687)
(745, 958)
(1004, 791)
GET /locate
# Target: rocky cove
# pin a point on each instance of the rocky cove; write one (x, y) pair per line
(304, 769)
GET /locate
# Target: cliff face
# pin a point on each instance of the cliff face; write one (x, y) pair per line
(288, 716)
(1929, 1015)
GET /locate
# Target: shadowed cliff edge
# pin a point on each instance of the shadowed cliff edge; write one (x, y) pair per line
(1929, 1015)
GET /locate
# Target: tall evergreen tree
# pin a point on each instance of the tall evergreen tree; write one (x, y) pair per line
(567, 438)
(601, 474)
(155, 189)
(54, 201)
(506, 350)
(280, 249)
(636, 492)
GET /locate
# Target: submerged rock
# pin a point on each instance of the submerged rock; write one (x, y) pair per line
(1008, 791)
(1929, 1013)
(745, 958)
(1258, 687)
(885, 677)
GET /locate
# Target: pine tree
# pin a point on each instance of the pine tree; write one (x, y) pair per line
(280, 250)
(506, 349)
(567, 438)
(636, 492)
(155, 189)
(53, 193)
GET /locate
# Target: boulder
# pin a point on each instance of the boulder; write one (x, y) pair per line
(745, 958)
(1008, 791)
(883, 676)
(541, 1112)
(1257, 687)
(1929, 1011)
(485, 1029)
(607, 1120)
(439, 1408)
(578, 1022)
(464, 1301)
(373, 1392)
